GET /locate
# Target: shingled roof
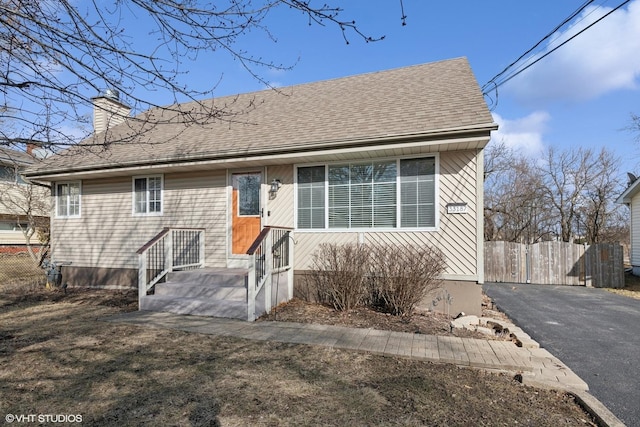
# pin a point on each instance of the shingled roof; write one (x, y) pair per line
(415, 101)
(14, 157)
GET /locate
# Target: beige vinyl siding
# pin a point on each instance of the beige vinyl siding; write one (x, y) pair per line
(456, 234)
(8, 237)
(14, 203)
(307, 243)
(635, 230)
(13, 199)
(108, 235)
(281, 206)
(108, 113)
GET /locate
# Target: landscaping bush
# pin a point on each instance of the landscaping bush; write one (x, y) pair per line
(401, 276)
(338, 275)
(390, 278)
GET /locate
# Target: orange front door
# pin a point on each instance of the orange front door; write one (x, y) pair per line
(245, 221)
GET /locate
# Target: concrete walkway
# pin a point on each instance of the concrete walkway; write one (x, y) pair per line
(537, 366)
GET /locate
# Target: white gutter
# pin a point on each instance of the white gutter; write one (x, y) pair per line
(284, 152)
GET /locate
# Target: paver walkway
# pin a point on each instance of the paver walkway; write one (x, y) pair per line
(536, 365)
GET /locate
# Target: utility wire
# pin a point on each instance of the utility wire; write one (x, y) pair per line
(493, 84)
(573, 15)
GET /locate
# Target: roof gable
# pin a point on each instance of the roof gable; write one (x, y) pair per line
(629, 193)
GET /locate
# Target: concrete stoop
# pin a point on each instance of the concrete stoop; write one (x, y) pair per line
(202, 292)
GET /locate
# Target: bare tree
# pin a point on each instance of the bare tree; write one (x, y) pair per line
(514, 203)
(29, 205)
(568, 195)
(566, 176)
(599, 215)
(55, 55)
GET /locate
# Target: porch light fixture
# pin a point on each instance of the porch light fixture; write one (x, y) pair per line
(275, 186)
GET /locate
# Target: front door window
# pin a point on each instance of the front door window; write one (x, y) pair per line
(246, 210)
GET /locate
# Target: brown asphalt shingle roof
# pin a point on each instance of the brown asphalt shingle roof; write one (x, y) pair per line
(415, 100)
(14, 157)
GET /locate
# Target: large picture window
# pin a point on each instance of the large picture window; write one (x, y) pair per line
(396, 193)
(147, 195)
(68, 199)
(362, 195)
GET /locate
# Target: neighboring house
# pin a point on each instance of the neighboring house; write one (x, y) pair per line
(20, 203)
(393, 156)
(631, 198)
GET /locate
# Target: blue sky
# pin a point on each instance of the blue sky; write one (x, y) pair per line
(581, 95)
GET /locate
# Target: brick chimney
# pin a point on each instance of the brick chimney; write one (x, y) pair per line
(108, 111)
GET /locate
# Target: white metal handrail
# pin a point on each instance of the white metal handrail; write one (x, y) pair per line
(170, 250)
(270, 253)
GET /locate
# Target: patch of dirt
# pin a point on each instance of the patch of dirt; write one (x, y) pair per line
(430, 323)
(126, 299)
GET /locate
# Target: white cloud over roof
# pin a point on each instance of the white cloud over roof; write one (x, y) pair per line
(524, 135)
(602, 59)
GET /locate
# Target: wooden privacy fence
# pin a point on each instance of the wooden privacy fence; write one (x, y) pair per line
(554, 263)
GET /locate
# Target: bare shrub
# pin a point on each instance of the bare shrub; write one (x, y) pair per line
(338, 273)
(401, 276)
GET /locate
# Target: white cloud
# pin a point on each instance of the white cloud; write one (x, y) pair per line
(602, 59)
(524, 135)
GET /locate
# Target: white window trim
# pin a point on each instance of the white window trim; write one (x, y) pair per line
(57, 197)
(133, 195)
(326, 228)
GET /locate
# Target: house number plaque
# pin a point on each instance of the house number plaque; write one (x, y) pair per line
(456, 208)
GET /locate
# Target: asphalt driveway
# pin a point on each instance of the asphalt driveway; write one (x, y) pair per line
(594, 332)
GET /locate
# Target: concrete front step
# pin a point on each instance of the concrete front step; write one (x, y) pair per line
(194, 306)
(208, 276)
(211, 291)
(202, 292)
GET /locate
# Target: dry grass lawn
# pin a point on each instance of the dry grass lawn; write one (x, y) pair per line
(59, 356)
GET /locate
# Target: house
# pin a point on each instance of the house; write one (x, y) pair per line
(393, 156)
(21, 204)
(631, 198)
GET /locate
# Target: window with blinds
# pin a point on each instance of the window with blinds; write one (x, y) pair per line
(417, 189)
(379, 194)
(362, 195)
(311, 197)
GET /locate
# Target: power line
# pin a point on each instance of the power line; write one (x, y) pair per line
(573, 15)
(494, 83)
